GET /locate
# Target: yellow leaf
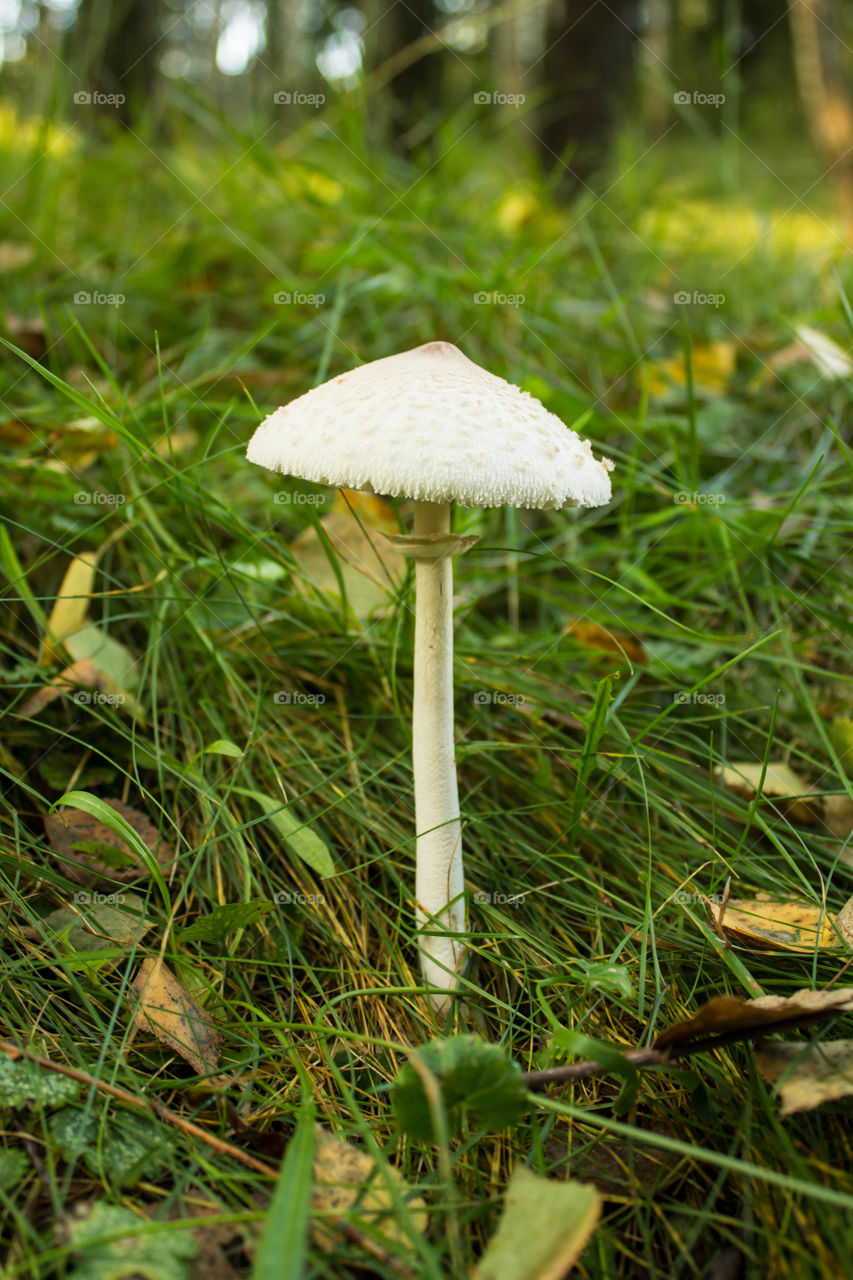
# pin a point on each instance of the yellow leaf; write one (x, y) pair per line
(807, 1074)
(344, 1177)
(775, 926)
(546, 1225)
(781, 784)
(354, 527)
(713, 368)
(515, 210)
(70, 606)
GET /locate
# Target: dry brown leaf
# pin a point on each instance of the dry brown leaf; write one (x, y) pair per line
(29, 335)
(78, 673)
(67, 828)
(807, 1075)
(70, 606)
(727, 1017)
(345, 1177)
(775, 926)
(370, 572)
(606, 643)
(781, 784)
(170, 1012)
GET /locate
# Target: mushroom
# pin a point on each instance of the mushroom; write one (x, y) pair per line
(432, 426)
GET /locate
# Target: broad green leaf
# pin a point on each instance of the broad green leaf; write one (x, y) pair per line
(222, 747)
(480, 1086)
(299, 838)
(546, 1225)
(24, 1083)
(117, 669)
(124, 1149)
(281, 1252)
(96, 920)
(217, 924)
(14, 1166)
(114, 1244)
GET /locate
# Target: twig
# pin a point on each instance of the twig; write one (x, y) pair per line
(668, 1057)
(348, 1229)
(141, 1104)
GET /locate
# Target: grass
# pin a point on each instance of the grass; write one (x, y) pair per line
(744, 600)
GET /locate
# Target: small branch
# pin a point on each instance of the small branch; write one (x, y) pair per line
(141, 1104)
(589, 1067)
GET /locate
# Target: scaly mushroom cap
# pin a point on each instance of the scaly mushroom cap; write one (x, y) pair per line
(430, 424)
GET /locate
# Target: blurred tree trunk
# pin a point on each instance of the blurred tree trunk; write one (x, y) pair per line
(588, 69)
(823, 67)
(653, 56)
(116, 51)
(415, 91)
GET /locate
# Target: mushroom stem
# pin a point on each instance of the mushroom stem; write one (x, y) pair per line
(439, 882)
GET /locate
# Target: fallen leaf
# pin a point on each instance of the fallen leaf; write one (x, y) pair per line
(807, 1074)
(113, 661)
(775, 926)
(174, 1017)
(622, 647)
(727, 1017)
(70, 606)
(348, 1181)
(831, 359)
(78, 673)
(713, 367)
(781, 784)
(29, 335)
(112, 1243)
(838, 815)
(95, 922)
(67, 829)
(545, 1227)
(353, 527)
(844, 922)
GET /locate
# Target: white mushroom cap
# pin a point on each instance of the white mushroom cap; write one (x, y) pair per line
(430, 424)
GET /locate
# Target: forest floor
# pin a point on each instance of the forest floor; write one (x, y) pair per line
(175, 638)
